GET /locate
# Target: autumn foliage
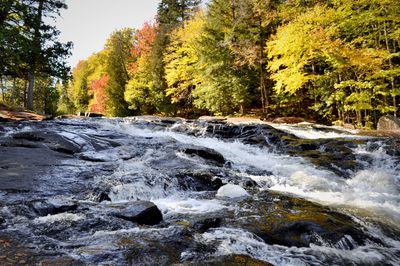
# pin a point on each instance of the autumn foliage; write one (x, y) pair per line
(144, 40)
(99, 101)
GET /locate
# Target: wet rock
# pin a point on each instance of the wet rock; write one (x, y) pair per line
(205, 153)
(334, 155)
(60, 261)
(230, 260)
(392, 147)
(389, 123)
(49, 139)
(52, 208)
(140, 212)
(288, 221)
(250, 183)
(103, 196)
(202, 226)
(199, 180)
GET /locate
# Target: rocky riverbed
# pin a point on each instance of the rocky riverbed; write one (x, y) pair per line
(164, 191)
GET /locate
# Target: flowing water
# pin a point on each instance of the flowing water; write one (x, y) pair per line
(316, 196)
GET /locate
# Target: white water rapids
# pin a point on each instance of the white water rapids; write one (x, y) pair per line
(371, 193)
(149, 163)
(374, 191)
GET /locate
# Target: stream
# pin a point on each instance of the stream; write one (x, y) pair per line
(169, 191)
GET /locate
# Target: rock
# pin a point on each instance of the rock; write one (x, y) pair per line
(288, 221)
(231, 260)
(332, 154)
(232, 191)
(198, 180)
(103, 196)
(212, 118)
(140, 212)
(53, 207)
(288, 120)
(51, 140)
(205, 153)
(389, 123)
(93, 115)
(203, 225)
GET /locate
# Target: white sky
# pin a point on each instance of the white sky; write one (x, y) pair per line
(88, 23)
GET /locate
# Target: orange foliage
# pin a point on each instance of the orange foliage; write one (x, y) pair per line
(145, 38)
(98, 87)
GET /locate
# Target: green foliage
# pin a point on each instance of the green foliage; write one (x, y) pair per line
(29, 48)
(118, 57)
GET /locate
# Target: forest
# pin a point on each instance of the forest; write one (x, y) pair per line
(333, 61)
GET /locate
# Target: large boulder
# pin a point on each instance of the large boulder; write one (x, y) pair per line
(389, 123)
(140, 212)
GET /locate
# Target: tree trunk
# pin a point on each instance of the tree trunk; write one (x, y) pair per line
(31, 85)
(13, 92)
(2, 88)
(392, 81)
(263, 83)
(35, 56)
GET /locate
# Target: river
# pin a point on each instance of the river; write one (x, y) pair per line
(228, 194)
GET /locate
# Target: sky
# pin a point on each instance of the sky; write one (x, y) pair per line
(88, 23)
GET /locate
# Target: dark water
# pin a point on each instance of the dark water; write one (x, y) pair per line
(296, 195)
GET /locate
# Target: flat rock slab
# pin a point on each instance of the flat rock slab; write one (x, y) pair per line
(21, 168)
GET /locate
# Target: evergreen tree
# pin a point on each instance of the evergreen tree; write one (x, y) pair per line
(46, 54)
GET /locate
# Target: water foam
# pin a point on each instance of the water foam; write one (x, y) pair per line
(374, 189)
(61, 217)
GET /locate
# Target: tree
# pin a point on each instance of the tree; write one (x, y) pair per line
(170, 15)
(118, 58)
(29, 46)
(310, 58)
(139, 92)
(182, 61)
(46, 53)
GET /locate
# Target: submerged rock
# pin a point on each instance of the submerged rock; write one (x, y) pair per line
(140, 212)
(232, 191)
(229, 260)
(288, 221)
(332, 154)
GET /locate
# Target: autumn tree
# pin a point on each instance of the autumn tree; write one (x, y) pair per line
(139, 92)
(118, 59)
(170, 15)
(182, 62)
